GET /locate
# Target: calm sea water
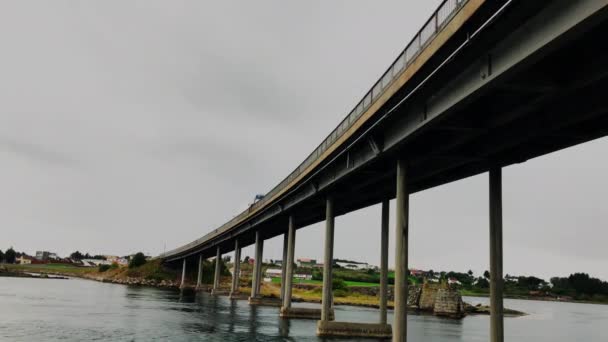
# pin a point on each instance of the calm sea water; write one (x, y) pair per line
(81, 310)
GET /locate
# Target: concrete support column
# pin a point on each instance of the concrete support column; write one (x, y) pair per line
(237, 268)
(199, 278)
(401, 254)
(257, 266)
(288, 262)
(284, 264)
(183, 283)
(384, 261)
(496, 278)
(328, 261)
(218, 269)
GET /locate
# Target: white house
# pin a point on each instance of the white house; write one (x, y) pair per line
(273, 273)
(354, 265)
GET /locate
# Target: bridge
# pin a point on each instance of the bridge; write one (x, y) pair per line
(483, 85)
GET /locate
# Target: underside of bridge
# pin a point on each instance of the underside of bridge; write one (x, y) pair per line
(488, 106)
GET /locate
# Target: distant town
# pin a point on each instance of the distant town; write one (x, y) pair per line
(10, 256)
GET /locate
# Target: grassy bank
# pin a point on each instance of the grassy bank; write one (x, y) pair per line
(63, 269)
(151, 270)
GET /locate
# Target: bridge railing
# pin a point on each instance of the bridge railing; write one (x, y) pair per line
(442, 15)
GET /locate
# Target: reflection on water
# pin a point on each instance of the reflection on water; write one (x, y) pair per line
(80, 310)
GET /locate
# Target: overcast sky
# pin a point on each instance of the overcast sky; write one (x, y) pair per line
(135, 125)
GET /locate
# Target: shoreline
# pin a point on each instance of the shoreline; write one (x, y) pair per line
(170, 284)
(269, 291)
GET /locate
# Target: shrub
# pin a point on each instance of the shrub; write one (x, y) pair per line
(114, 266)
(10, 255)
(103, 268)
(137, 260)
(338, 284)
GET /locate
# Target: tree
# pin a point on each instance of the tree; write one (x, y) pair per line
(246, 260)
(486, 274)
(470, 273)
(138, 259)
(530, 283)
(482, 283)
(76, 255)
(10, 256)
(1, 256)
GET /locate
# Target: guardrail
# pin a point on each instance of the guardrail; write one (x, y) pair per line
(442, 15)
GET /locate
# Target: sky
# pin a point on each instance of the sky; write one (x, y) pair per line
(132, 126)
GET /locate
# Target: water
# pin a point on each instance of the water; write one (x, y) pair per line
(82, 310)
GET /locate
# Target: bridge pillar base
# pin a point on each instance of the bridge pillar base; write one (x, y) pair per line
(217, 292)
(347, 329)
(264, 301)
(238, 296)
(304, 313)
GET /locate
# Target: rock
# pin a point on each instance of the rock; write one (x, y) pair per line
(448, 302)
(428, 296)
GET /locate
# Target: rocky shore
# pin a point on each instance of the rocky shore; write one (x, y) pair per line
(134, 281)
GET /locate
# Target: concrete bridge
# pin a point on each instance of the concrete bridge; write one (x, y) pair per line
(484, 84)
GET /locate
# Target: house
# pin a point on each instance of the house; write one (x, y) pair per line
(273, 273)
(302, 276)
(24, 260)
(94, 262)
(306, 262)
(352, 265)
(453, 281)
(116, 259)
(417, 273)
(43, 255)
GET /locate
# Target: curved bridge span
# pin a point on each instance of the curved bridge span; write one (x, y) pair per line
(483, 85)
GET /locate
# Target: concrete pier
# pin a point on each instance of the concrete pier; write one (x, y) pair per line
(257, 266)
(183, 282)
(384, 261)
(284, 262)
(325, 327)
(234, 289)
(496, 277)
(288, 263)
(401, 251)
(265, 301)
(328, 261)
(218, 269)
(199, 277)
(305, 313)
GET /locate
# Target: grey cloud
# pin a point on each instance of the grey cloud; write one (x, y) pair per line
(37, 153)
